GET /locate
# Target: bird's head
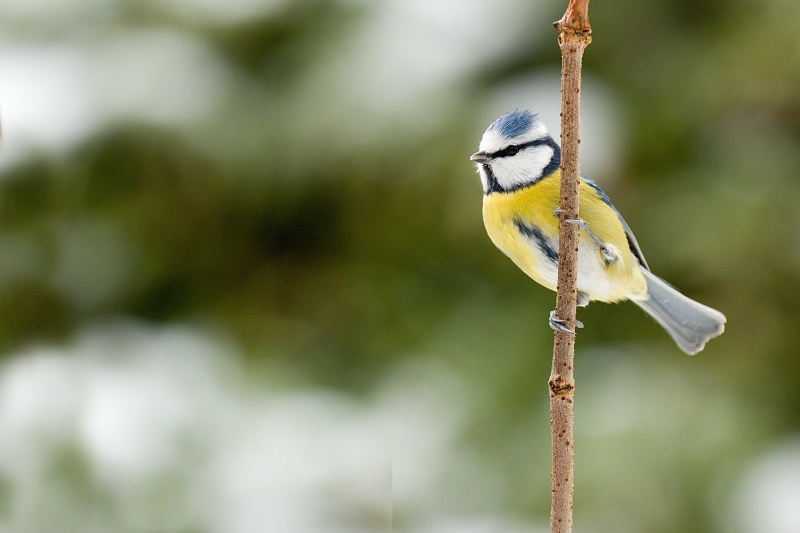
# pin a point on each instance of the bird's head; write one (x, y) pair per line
(516, 150)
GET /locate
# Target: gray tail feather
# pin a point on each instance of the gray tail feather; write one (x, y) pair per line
(689, 323)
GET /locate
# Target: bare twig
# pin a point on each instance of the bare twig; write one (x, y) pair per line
(574, 36)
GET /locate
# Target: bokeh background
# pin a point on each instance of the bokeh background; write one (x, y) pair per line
(245, 287)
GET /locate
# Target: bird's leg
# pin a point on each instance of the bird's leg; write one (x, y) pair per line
(558, 323)
(608, 254)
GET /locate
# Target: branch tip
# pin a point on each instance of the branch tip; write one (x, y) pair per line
(576, 19)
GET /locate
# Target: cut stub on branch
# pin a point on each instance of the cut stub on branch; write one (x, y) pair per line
(576, 18)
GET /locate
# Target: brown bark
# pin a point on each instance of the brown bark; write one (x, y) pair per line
(573, 38)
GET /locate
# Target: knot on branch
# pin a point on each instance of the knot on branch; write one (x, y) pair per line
(559, 385)
(576, 19)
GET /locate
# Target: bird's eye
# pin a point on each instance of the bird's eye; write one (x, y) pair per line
(512, 150)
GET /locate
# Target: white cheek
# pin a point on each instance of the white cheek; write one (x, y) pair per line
(525, 167)
(537, 159)
(508, 172)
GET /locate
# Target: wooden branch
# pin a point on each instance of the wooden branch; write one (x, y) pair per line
(573, 38)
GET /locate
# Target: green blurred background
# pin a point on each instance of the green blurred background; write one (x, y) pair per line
(245, 287)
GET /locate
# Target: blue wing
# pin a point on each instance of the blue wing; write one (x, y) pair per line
(632, 244)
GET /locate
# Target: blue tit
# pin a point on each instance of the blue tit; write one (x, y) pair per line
(518, 162)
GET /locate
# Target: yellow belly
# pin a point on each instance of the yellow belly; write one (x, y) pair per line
(534, 206)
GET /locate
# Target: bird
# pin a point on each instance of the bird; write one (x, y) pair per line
(519, 166)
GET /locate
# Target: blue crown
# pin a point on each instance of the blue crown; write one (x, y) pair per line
(514, 123)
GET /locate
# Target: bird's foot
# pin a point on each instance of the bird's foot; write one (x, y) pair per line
(608, 254)
(558, 324)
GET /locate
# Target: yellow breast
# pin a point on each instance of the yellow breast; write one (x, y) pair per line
(534, 207)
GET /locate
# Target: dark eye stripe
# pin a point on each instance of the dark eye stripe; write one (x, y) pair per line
(515, 148)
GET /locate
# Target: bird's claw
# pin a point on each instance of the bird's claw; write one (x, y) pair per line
(558, 324)
(608, 255)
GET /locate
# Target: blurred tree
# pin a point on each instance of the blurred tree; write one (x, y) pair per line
(332, 227)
